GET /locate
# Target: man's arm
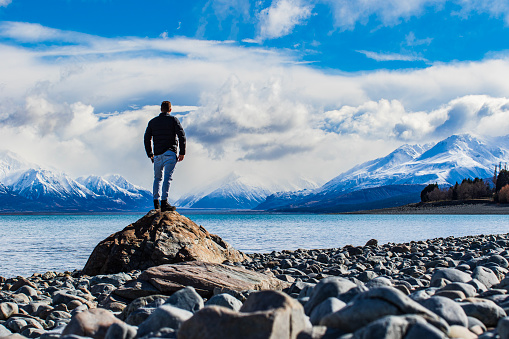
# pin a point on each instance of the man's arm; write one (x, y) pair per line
(147, 139)
(182, 139)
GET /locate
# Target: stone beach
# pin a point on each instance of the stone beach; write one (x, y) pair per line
(197, 286)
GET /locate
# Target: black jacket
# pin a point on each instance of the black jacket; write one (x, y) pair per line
(164, 130)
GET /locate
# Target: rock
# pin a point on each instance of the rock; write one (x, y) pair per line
(113, 279)
(375, 304)
(225, 300)
(449, 310)
(208, 278)
(136, 289)
(7, 309)
(4, 331)
(158, 239)
(138, 316)
(120, 331)
(457, 331)
(141, 302)
(485, 310)
(91, 323)
(266, 314)
(372, 242)
(328, 306)
(503, 328)
(186, 299)
(499, 260)
(485, 276)
(326, 288)
(163, 316)
(451, 274)
(399, 327)
(467, 289)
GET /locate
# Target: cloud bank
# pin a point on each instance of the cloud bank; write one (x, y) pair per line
(249, 110)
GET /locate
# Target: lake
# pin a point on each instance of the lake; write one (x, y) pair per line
(40, 243)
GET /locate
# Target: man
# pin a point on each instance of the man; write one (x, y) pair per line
(164, 130)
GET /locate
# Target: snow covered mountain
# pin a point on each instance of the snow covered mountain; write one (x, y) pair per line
(239, 192)
(446, 162)
(26, 187)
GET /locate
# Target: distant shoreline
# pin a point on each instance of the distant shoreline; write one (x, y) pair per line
(468, 207)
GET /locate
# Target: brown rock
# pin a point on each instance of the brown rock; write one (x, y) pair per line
(157, 239)
(208, 278)
(91, 323)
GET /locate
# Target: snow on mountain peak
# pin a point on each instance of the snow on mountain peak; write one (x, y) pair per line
(11, 163)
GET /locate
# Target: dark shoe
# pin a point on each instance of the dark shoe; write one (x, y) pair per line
(166, 207)
(156, 204)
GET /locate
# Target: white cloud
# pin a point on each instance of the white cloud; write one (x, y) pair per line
(479, 114)
(5, 3)
(347, 13)
(281, 17)
(496, 8)
(250, 110)
(391, 56)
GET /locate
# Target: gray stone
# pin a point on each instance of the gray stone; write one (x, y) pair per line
(328, 306)
(138, 316)
(467, 289)
(503, 328)
(217, 322)
(27, 290)
(379, 282)
(4, 331)
(165, 332)
(120, 331)
(142, 302)
(399, 327)
(164, 316)
(499, 260)
(116, 280)
(225, 300)
(375, 304)
(186, 299)
(485, 276)
(449, 310)
(451, 274)
(479, 286)
(485, 310)
(326, 288)
(7, 309)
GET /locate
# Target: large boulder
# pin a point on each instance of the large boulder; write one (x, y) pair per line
(158, 239)
(208, 278)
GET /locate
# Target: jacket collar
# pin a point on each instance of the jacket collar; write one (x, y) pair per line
(164, 114)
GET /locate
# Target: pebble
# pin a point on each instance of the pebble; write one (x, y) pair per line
(438, 288)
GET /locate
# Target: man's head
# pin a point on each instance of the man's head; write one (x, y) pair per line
(166, 106)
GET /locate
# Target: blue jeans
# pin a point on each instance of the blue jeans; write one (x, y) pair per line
(164, 164)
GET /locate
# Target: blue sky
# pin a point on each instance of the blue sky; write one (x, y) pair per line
(258, 85)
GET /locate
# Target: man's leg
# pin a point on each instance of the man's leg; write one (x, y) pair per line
(158, 178)
(170, 160)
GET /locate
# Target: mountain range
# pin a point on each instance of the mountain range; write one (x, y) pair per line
(398, 178)
(240, 192)
(27, 187)
(392, 180)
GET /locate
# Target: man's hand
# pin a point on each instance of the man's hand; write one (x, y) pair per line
(152, 159)
(181, 157)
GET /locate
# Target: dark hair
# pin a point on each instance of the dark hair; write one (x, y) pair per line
(165, 106)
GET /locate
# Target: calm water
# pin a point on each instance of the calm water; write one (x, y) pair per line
(30, 244)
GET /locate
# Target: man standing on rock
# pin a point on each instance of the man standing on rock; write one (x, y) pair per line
(163, 130)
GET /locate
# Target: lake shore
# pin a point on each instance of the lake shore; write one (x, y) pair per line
(471, 207)
(441, 288)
